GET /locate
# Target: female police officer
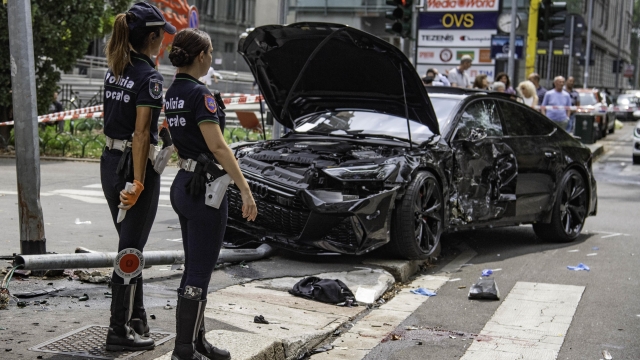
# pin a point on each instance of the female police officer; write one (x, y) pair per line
(196, 123)
(132, 104)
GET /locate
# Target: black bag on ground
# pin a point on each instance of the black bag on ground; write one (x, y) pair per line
(324, 290)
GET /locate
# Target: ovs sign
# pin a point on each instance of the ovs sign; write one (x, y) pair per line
(458, 21)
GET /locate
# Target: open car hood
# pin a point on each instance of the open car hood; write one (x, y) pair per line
(305, 68)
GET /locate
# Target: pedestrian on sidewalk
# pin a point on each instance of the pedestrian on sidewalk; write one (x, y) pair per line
(132, 104)
(504, 78)
(540, 90)
(458, 76)
(557, 97)
(575, 101)
(527, 90)
(196, 121)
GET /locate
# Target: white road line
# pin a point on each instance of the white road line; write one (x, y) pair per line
(530, 324)
(99, 186)
(466, 254)
(79, 192)
(375, 326)
(87, 199)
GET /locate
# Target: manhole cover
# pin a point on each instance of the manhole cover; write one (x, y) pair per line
(89, 342)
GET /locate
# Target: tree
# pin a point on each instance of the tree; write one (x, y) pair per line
(62, 31)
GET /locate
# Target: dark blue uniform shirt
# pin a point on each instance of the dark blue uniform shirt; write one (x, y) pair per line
(140, 85)
(189, 103)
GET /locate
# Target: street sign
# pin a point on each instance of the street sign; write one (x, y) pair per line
(128, 264)
(500, 46)
(460, 38)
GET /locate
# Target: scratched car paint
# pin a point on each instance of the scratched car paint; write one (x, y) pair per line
(374, 160)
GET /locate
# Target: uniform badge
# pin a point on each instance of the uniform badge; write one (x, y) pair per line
(155, 88)
(210, 103)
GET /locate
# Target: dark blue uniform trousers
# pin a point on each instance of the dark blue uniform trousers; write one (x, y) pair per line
(134, 230)
(202, 232)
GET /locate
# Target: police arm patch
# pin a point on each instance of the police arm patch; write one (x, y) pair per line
(155, 88)
(210, 103)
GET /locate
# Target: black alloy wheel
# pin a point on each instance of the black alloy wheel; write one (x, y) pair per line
(419, 219)
(569, 211)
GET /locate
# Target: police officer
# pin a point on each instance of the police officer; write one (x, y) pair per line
(197, 123)
(132, 104)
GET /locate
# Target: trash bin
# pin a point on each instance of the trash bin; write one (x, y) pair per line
(585, 128)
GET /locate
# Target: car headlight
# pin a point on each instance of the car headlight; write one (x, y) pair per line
(361, 173)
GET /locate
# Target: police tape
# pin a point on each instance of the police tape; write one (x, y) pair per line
(589, 108)
(96, 112)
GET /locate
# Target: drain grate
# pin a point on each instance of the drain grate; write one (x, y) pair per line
(89, 342)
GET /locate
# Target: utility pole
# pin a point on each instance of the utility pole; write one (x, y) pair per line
(573, 24)
(511, 69)
(587, 59)
(414, 34)
(619, 44)
(23, 81)
(636, 84)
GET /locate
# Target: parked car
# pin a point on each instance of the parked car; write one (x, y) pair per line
(373, 160)
(599, 105)
(626, 104)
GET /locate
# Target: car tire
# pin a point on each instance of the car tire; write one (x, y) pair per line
(418, 219)
(571, 204)
(636, 159)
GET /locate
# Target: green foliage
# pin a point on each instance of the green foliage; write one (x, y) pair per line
(62, 31)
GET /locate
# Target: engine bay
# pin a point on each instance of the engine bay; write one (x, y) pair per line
(299, 164)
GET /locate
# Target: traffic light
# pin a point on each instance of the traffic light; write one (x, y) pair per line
(552, 16)
(401, 16)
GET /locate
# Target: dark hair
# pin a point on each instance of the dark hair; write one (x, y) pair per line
(122, 40)
(430, 70)
(187, 45)
(507, 83)
(477, 83)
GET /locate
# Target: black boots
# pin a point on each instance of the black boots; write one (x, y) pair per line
(190, 341)
(120, 335)
(139, 316)
(205, 348)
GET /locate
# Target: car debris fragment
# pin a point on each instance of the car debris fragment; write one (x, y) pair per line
(484, 289)
(260, 320)
(580, 267)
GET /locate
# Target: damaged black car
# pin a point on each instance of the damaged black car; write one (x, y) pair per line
(374, 160)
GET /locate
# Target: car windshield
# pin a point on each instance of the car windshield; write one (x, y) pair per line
(360, 122)
(588, 99)
(627, 99)
(443, 108)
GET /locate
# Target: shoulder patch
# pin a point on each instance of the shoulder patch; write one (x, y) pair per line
(210, 103)
(155, 88)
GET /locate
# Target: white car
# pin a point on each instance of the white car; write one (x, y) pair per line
(636, 142)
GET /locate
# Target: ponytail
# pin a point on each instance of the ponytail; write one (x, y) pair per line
(117, 49)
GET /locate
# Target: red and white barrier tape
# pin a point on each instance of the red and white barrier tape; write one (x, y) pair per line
(589, 108)
(96, 112)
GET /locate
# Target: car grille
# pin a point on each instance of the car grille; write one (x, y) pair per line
(343, 233)
(276, 217)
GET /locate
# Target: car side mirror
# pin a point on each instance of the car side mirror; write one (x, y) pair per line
(477, 134)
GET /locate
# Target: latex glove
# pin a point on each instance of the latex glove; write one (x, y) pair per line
(249, 208)
(129, 198)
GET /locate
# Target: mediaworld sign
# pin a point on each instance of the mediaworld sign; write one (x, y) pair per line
(458, 20)
(462, 5)
(458, 38)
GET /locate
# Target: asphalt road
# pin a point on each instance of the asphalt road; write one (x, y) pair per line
(607, 316)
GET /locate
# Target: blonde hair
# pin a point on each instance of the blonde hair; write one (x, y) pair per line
(531, 89)
(118, 47)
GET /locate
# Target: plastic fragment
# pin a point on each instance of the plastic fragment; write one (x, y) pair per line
(487, 272)
(452, 337)
(423, 291)
(595, 248)
(260, 320)
(84, 297)
(78, 222)
(607, 355)
(574, 250)
(486, 289)
(580, 267)
(168, 307)
(592, 254)
(456, 279)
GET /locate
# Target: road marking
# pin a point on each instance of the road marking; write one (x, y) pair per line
(369, 331)
(87, 199)
(466, 254)
(531, 323)
(610, 234)
(79, 192)
(165, 188)
(175, 240)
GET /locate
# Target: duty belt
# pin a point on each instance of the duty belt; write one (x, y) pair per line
(117, 144)
(123, 144)
(187, 165)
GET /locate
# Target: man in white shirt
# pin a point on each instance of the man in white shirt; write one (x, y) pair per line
(458, 76)
(207, 78)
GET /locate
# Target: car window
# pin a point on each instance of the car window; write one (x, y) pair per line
(443, 108)
(588, 99)
(482, 114)
(522, 121)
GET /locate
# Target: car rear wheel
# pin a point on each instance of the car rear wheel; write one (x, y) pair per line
(418, 219)
(569, 211)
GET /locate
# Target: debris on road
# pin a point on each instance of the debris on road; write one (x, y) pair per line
(84, 297)
(487, 272)
(260, 320)
(4, 298)
(607, 355)
(456, 279)
(323, 290)
(574, 250)
(78, 222)
(592, 254)
(152, 316)
(168, 307)
(461, 287)
(595, 248)
(484, 289)
(580, 267)
(174, 227)
(395, 337)
(322, 349)
(30, 294)
(423, 291)
(94, 277)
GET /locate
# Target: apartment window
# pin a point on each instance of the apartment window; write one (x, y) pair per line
(231, 10)
(228, 47)
(607, 4)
